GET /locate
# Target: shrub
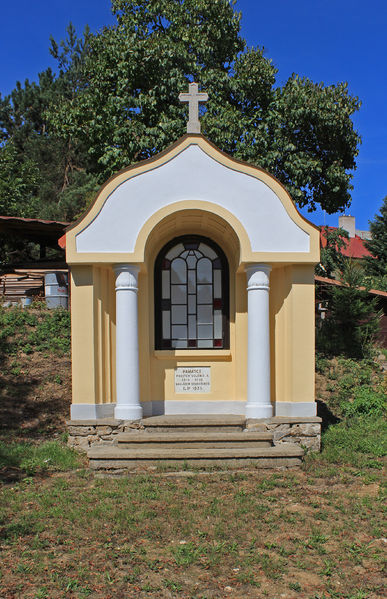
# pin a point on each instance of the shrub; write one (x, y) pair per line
(353, 320)
(355, 441)
(367, 402)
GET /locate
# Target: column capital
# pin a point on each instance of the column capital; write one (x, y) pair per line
(258, 276)
(126, 277)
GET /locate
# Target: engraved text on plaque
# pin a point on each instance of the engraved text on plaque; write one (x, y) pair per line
(193, 379)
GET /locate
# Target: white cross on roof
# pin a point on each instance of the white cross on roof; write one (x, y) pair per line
(193, 98)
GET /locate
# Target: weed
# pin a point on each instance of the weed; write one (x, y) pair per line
(187, 554)
(295, 586)
(172, 585)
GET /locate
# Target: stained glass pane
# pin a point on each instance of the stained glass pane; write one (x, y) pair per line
(204, 294)
(217, 283)
(179, 343)
(205, 314)
(204, 331)
(179, 294)
(179, 314)
(192, 304)
(207, 251)
(191, 281)
(218, 322)
(178, 271)
(166, 324)
(192, 327)
(205, 343)
(175, 251)
(165, 284)
(191, 261)
(204, 270)
(179, 332)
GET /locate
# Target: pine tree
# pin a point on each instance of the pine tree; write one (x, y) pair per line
(353, 318)
(378, 244)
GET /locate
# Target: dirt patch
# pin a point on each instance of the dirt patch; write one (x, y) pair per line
(35, 395)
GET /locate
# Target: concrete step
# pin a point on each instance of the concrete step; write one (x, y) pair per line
(113, 457)
(197, 422)
(195, 439)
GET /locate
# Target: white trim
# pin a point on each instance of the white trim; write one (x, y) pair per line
(290, 409)
(172, 406)
(88, 411)
(192, 175)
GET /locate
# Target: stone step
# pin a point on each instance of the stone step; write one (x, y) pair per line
(192, 439)
(198, 422)
(117, 458)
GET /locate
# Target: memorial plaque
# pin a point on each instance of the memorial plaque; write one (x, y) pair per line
(193, 379)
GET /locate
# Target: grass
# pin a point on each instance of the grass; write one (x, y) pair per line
(29, 458)
(314, 533)
(152, 535)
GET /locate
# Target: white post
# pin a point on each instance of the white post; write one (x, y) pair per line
(258, 359)
(127, 365)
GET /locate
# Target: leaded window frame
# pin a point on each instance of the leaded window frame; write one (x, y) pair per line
(220, 306)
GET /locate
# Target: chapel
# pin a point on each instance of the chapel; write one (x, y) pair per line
(192, 291)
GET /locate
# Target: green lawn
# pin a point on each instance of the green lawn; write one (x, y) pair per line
(313, 533)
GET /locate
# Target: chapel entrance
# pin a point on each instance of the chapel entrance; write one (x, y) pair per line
(192, 369)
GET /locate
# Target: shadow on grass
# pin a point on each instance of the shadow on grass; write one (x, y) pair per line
(18, 460)
(327, 416)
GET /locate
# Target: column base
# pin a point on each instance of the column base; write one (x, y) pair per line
(257, 410)
(127, 412)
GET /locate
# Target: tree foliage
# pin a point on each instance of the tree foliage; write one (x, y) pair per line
(377, 245)
(115, 102)
(332, 261)
(353, 319)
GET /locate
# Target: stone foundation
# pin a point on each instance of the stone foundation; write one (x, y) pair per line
(305, 432)
(85, 433)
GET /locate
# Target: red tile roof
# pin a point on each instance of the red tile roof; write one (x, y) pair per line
(355, 247)
(327, 281)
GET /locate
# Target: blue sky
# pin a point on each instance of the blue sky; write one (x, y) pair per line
(325, 40)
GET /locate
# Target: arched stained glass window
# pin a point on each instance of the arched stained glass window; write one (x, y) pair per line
(191, 295)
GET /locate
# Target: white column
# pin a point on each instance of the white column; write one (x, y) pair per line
(258, 359)
(127, 365)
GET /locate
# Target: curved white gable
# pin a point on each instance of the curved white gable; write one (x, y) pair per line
(192, 175)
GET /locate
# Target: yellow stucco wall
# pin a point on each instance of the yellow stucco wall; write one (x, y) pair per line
(291, 334)
(291, 306)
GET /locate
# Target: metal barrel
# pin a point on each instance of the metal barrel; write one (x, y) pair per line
(56, 290)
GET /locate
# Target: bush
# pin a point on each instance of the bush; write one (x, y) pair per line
(367, 402)
(357, 441)
(353, 320)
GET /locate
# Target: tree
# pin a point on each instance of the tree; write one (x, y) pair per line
(353, 319)
(332, 261)
(124, 105)
(37, 166)
(377, 245)
(19, 183)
